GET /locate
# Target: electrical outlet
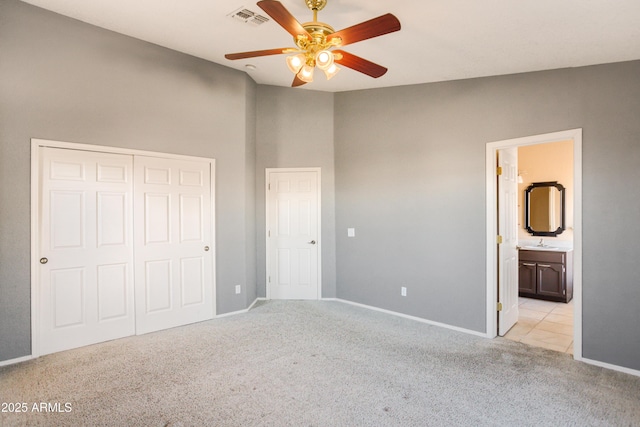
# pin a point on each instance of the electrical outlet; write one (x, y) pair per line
(403, 291)
(238, 289)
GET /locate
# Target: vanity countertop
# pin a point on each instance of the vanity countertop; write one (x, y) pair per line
(544, 248)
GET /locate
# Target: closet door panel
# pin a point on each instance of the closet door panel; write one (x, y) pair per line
(85, 275)
(174, 256)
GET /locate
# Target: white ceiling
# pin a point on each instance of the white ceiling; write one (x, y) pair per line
(439, 40)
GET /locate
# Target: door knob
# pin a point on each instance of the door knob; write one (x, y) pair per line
(313, 242)
(206, 248)
(43, 260)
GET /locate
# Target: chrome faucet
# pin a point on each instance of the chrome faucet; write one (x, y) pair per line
(541, 243)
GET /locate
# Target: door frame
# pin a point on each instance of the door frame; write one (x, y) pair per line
(492, 227)
(268, 253)
(36, 144)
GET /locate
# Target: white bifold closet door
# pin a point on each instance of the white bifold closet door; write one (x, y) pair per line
(125, 246)
(174, 261)
(86, 249)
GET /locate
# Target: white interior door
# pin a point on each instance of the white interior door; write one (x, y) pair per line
(508, 229)
(86, 248)
(293, 234)
(173, 243)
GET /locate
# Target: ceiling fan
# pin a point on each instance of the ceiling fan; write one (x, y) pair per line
(317, 42)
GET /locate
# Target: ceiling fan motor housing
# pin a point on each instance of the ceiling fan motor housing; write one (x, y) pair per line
(316, 29)
(318, 41)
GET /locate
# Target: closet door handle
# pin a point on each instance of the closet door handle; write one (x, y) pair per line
(544, 265)
(206, 248)
(528, 264)
(43, 260)
(313, 242)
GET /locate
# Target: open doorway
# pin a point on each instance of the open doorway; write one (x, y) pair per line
(550, 311)
(545, 246)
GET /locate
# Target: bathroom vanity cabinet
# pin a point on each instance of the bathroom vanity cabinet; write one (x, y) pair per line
(545, 274)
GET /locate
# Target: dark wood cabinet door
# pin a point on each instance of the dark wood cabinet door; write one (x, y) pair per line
(550, 280)
(527, 278)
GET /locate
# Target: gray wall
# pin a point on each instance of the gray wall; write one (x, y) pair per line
(404, 166)
(64, 80)
(295, 129)
(410, 179)
(250, 289)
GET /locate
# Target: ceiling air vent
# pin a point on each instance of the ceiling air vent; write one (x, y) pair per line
(248, 17)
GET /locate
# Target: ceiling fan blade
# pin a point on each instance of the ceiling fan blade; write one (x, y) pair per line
(375, 27)
(253, 54)
(281, 15)
(297, 82)
(360, 64)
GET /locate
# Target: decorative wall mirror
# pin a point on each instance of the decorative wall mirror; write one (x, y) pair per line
(544, 213)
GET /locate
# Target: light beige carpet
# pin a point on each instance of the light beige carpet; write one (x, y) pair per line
(316, 364)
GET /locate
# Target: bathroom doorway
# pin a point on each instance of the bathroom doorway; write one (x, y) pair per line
(554, 325)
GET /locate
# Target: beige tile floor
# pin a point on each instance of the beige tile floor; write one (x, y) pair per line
(544, 324)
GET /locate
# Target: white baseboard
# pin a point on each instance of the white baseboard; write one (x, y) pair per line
(406, 316)
(14, 361)
(255, 302)
(234, 313)
(610, 366)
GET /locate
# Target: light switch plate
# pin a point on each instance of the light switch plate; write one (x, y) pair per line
(351, 232)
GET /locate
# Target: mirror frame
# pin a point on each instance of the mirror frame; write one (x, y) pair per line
(527, 223)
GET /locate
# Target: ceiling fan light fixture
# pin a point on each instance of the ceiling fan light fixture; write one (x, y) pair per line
(316, 40)
(295, 62)
(331, 71)
(324, 59)
(306, 74)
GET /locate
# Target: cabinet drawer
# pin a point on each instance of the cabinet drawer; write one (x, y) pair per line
(542, 256)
